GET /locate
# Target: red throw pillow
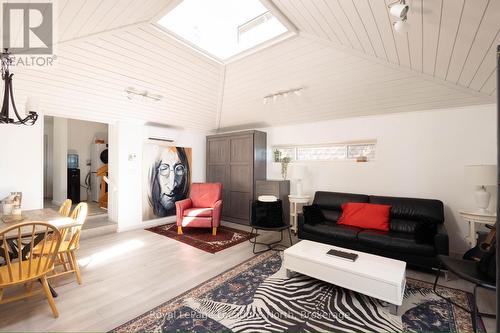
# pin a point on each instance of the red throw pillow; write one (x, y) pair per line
(365, 215)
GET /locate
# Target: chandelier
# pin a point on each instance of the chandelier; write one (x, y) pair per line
(8, 96)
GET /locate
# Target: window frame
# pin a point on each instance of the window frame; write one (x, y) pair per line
(292, 32)
(346, 145)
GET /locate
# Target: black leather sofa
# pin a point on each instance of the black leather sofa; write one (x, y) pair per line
(417, 234)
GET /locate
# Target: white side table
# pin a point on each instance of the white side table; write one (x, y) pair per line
(296, 203)
(473, 219)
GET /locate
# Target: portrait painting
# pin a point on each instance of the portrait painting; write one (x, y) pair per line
(167, 179)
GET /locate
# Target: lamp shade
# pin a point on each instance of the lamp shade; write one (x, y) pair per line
(481, 175)
(299, 171)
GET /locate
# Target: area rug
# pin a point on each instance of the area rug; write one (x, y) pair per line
(256, 296)
(202, 238)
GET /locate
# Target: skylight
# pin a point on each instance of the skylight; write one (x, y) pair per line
(223, 28)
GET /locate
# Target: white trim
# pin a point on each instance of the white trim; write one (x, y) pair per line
(259, 47)
(220, 100)
(148, 224)
(352, 143)
(185, 42)
(280, 16)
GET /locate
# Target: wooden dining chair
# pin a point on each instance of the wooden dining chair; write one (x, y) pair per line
(65, 208)
(70, 242)
(21, 266)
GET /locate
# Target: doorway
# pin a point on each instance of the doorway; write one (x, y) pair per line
(75, 160)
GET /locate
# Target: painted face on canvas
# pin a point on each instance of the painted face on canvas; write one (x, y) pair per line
(170, 173)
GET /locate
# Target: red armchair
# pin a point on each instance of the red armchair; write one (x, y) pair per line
(202, 209)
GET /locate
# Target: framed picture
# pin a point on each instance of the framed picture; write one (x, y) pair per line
(167, 179)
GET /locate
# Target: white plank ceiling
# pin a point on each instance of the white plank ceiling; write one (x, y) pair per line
(346, 55)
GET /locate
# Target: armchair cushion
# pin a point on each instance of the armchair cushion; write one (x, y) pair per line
(205, 194)
(198, 212)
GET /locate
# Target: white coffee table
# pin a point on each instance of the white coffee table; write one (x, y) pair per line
(371, 275)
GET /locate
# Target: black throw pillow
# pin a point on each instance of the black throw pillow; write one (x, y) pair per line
(313, 214)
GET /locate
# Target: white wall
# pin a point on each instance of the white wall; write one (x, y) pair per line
(419, 154)
(81, 135)
(21, 163)
(60, 163)
(48, 156)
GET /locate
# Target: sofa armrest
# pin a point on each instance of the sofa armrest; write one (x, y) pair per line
(441, 241)
(180, 206)
(301, 220)
(217, 213)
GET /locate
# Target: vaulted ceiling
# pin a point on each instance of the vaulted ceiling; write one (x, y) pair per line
(346, 56)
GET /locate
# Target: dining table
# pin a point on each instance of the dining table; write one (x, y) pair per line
(48, 215)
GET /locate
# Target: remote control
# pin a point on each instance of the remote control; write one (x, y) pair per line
(343, 255)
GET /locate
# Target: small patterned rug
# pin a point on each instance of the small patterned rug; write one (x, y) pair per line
(257, 296)
(201, 238)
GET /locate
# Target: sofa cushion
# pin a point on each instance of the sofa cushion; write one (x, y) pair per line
(412, 209)
(402, 225)
(366, 216)
(331, 216)
(198, 212)
(313, 214)
(334, 200)
(395, 241)
(333, 231)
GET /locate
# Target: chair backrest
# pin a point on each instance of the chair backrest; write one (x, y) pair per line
(16, 243)
(72, 234)
(204, 195)
(79, 214)
(65, 208)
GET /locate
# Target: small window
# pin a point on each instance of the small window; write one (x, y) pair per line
(281, 152)
(326, 152)
(366, 150)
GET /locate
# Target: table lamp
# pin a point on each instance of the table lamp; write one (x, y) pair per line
(299, 172)
(482, 176)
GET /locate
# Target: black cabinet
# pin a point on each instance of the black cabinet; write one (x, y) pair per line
(74, 185)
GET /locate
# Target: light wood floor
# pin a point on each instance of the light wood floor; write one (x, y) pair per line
(127, 274)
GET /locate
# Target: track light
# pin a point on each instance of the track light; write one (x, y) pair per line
(132, 94)
(401, 27)
(285, 94)
(399, 10)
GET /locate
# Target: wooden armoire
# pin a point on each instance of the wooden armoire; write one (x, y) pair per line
(237, 160)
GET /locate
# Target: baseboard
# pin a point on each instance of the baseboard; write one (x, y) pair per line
(147, 224)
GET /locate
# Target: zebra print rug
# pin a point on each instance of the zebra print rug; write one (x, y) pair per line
(257, 296)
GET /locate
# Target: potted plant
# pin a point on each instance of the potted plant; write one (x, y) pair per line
(284, 166)
(276, 155)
